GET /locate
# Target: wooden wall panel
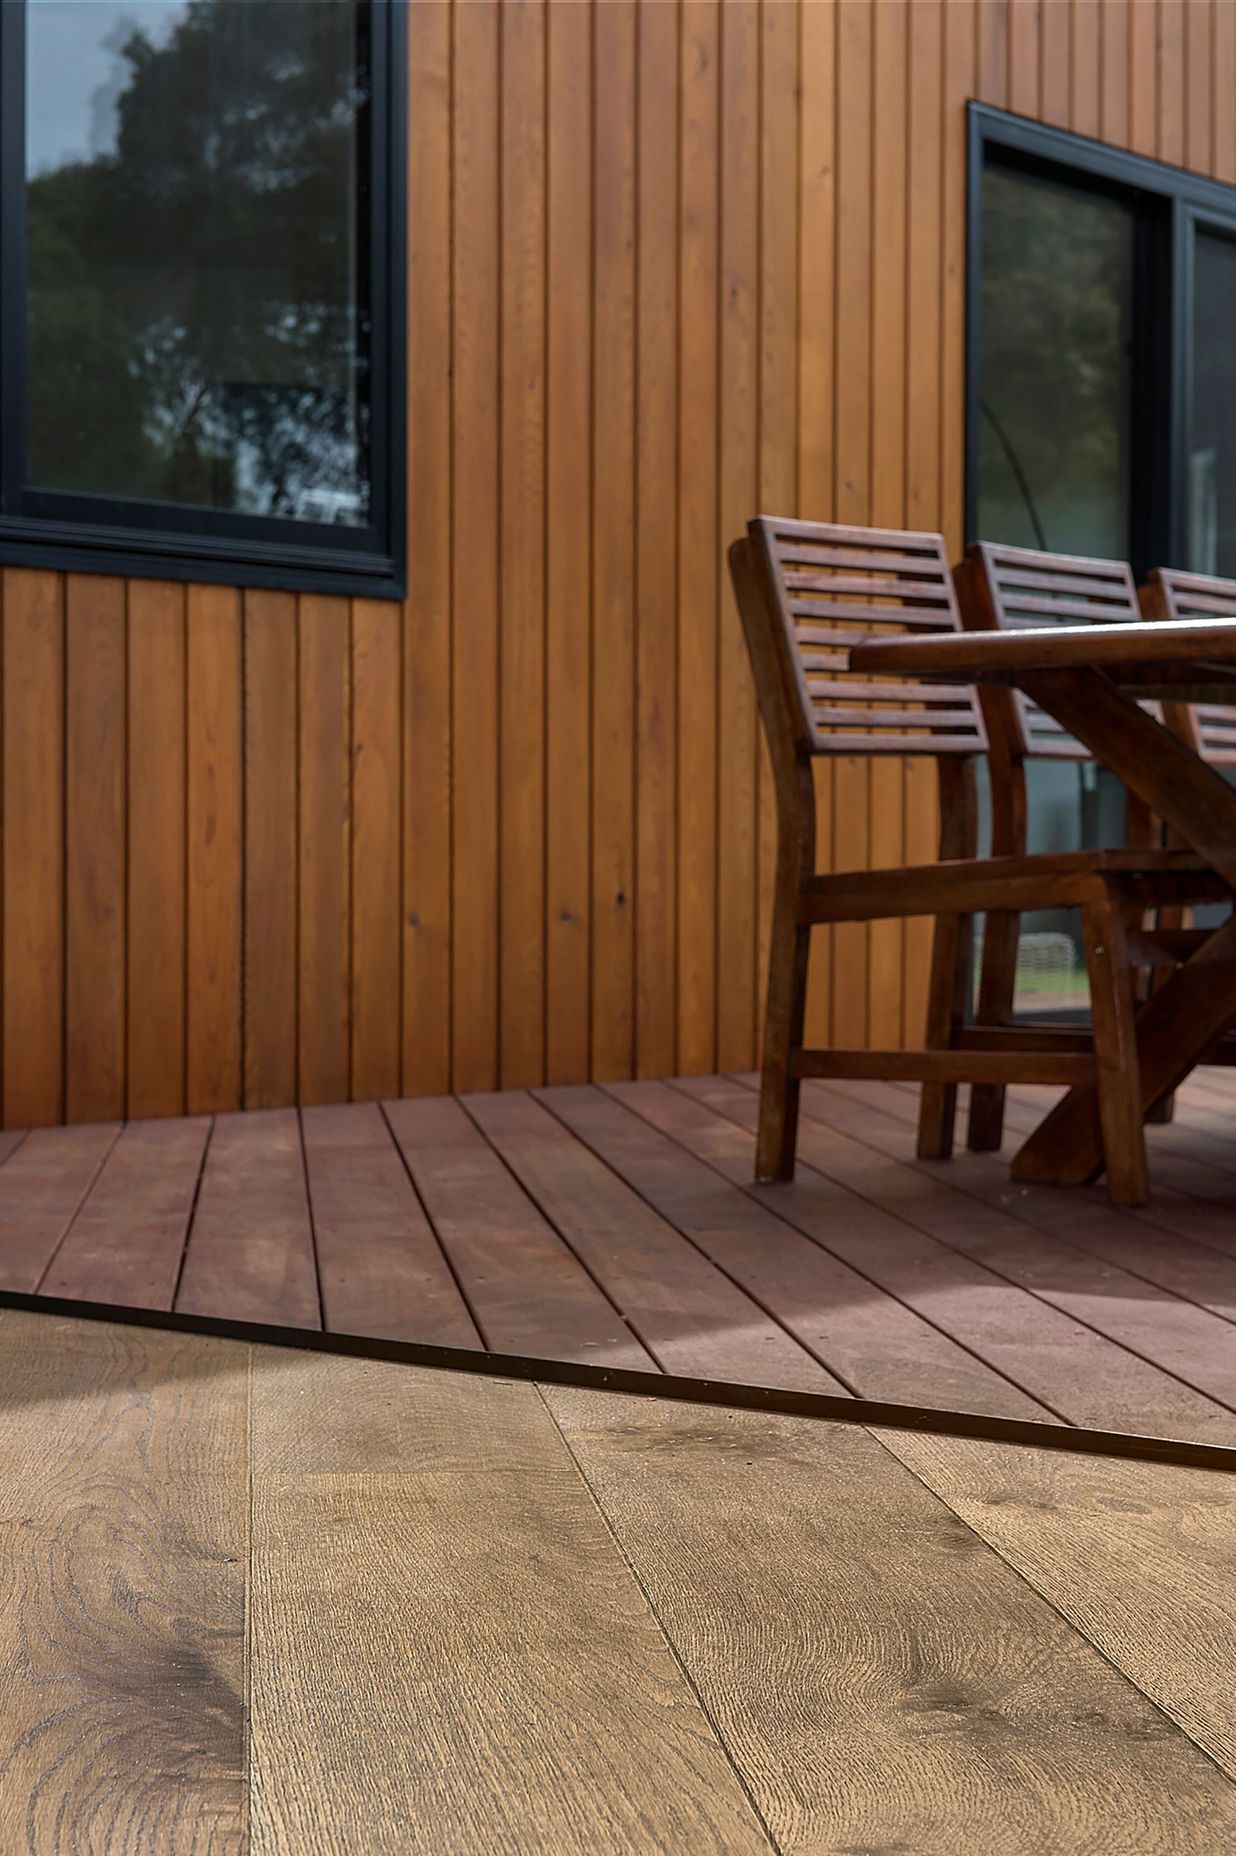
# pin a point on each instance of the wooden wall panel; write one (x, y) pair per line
(656, 542)
(157, 822)
(272, 852)
(669, 261)
(32, 842)
(95, 847)
(214, 851)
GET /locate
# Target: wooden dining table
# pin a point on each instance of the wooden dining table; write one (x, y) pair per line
(1094, 680)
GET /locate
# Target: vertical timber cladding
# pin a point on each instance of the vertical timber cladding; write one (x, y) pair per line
(669, 262)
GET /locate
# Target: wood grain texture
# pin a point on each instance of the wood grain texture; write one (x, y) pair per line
(379, 1264)
(323, 861)
(157, 802)
(567, 1724)
(927, 1658)
(690, 1317)
(95, 848)
(126, 1242)
(42, 1187)
(271, 861)
(124, 1516)
(215, 849)
(374, 1010)
(32, 848)
(1139, 1560)
(250, 1253)
(527, 1291)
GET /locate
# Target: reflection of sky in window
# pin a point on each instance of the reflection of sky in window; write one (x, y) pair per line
(74, 72)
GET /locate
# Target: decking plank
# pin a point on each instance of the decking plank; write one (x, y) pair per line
(250, 1249)
(689, 1316)
(528, 1291)
(380, 1266)
(126, 1243)
(875, 1344)
(10, 1140)
(1080, 1374)
(1133, 1240)
(42, 1185)
(1182, 1338)
(882, 1678)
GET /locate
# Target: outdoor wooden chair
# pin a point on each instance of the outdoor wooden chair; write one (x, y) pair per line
(807, 593)
(1010, 588)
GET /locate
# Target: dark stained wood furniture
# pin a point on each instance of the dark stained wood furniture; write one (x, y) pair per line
(1095, 681)
(1170, 595)
(810, 595)
(1010, 589)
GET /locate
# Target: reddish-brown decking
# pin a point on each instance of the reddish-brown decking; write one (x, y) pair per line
(619, 1225)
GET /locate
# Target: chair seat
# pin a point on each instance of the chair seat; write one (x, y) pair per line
(1055, 879)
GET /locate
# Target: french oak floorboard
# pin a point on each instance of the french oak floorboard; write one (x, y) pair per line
(123, 1548)
(528, 1292)
(883, 1680)
(878, 1346)
(1139, 1556)
(449, 1653)
(250, 1250)
(381, 1268)
(126, 1243)
(690, 1317)
(1184, 1339)
(42, 1185)
(1081, 1375)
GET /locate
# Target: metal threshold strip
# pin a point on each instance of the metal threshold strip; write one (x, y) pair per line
(875, 1414)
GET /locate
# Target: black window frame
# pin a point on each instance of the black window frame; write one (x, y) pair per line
(77, 532)
(1168, 203)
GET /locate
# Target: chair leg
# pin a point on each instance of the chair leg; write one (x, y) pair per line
(985, 1130)
(783, 1034)
(946, 1010)
(1115, 1052)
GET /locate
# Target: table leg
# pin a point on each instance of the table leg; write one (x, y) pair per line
(1179, 1023)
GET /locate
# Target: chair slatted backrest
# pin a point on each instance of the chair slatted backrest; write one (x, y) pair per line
(827, 588)
(1169, 593)
(1012, 589)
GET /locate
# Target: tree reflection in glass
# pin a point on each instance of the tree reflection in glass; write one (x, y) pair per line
(197, 323)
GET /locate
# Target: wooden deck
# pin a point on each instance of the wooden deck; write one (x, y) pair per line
(261, 1600)
(618, 1225)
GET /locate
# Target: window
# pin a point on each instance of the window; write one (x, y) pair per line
(201, 296)
(1101, 406)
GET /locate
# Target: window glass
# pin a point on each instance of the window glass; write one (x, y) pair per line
(1211, 484)
(197, 330)
(1056, 367)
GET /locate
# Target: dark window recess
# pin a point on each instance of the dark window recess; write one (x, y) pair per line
(1100, 409)
(201, 301)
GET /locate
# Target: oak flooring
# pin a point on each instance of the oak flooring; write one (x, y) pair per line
(619, 1225)
(277, 1602)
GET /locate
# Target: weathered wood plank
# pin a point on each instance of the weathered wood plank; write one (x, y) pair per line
(125, 1244)
(690, 1317)
(407, 1524)
(527, 1290)
(924, 1697)
(250, 1248)
(124, 1513)
(42, 1186)
(380, 1267)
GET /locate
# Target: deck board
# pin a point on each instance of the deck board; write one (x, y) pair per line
(619, 1225)
(42, 1186)
(126, 1243)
